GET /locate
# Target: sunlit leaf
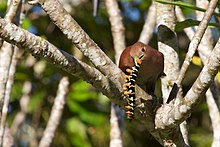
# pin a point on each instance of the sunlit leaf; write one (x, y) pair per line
(197, 61)
(77, 131)
(35, 100)
(26, 24)
(82, 91)
(95, 119)
(218, 77)
(16, 92)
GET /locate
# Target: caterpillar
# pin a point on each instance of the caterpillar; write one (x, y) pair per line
(130, 86)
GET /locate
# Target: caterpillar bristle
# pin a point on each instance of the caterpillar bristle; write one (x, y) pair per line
(127, 77)
(129, 71)
(139, 61)
(129, 113)
(127, 92)
(130, 86)
(129, 107)
(126, 85)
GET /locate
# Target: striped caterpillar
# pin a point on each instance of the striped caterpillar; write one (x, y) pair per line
(130, 86)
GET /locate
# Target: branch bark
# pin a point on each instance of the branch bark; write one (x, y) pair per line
(168, 116)
(109, 86)
(204, 50)
(149, 25)
(56, 113)
(7, 68)
(41, 48)
(117, 29)
(167, 44)
(196, 39)
(110, 83)
(78, 36)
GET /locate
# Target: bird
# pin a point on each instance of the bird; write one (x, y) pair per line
(143, 65)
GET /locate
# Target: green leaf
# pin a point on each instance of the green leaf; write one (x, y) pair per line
(77, 131)
(26, 23)
(82, 91)
(190, 22)
(185, 5)
(75, 106)
(16, 91)
(94, 119)
(3, 5)
(36, 100)
(86, 114)
(218, 77)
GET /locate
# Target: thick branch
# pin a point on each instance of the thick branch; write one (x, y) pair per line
(204, 50)
(78, 36)
(196, 39)
(111, 87)
(169, 116)
(42, 48)
(74, 32)
(167, 44)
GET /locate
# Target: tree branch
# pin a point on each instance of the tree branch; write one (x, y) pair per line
(204, 50)
(110, 86)
(7, 68)
(39, 47)
(56, 113)
(24, 102)
(78, 36)
(74, 32)
(196, 39)
(168, 116)
(167, 44)
(149, 25)
(117, 28)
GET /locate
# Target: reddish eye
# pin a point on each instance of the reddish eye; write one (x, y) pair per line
(143, 49)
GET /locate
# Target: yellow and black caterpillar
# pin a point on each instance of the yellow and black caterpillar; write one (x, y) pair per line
(130, 86)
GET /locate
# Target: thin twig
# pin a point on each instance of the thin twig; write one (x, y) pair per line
(5, 56)
(41, 48)
(212, 98)
(149, 25)
(117, 28)
(24, 101)
(204, 50)
(6, 71)
(110, 86)
(56, 113)
(173, 116)
(78, 36)
(196, 39)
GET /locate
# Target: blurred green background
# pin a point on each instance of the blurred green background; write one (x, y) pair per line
(85, 121)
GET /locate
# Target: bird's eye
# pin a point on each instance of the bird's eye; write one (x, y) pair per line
(143, 49)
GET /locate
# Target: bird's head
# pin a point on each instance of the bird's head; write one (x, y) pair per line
(138, 49)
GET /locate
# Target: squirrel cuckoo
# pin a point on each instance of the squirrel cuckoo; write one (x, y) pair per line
(143, 65)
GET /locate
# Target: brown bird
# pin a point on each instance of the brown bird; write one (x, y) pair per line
(151, 67)
(143, 65)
